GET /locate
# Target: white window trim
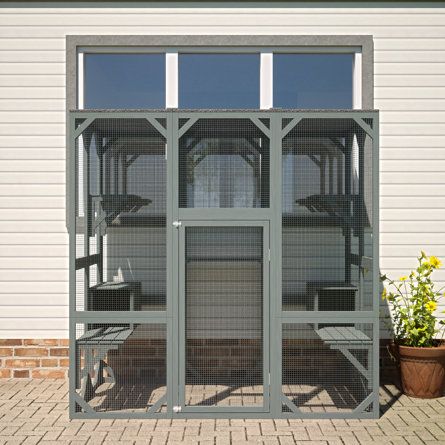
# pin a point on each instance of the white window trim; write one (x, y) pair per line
(357, 81)
(266, 80)
(171, 80)
(80, 80)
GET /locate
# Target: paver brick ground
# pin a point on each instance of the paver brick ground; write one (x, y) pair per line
(36, 412)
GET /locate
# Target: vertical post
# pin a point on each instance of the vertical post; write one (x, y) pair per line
(72, 198)
(123, 159)
(87, 213)
(107, 172)
(172, 262)
(275, 331)
(266, 315)
(182, 313)
(265, 170)
(375, 263)
(99, 237)
(348, 192)
(184, 197)
(340, 173)
(361, 138)
(259, 181)
(331, 173)
(223, 183)
(323, 174)
(116, 173)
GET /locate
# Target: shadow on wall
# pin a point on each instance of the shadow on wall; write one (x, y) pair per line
(389, 372)
(389, 369)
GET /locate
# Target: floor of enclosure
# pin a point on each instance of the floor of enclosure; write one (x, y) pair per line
(131, 397)
(224, 395)
(137, 396)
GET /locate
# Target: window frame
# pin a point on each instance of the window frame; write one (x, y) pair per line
(266, 66)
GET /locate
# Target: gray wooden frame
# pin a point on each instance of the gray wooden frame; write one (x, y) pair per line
(271, 217)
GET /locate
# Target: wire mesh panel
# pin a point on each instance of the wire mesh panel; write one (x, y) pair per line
(224, 163)
(326, 215)
(327, 368)
(121, 214)
(224, 316)
(221, 272)
(121, 367)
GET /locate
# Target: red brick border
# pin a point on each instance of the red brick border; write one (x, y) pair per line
(48, 358)
(34, 358)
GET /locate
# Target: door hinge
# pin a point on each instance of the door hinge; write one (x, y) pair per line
(177, 224)
(268, 255)
(177, 409)
(269, 378)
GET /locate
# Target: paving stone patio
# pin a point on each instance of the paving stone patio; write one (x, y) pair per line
(36, 412)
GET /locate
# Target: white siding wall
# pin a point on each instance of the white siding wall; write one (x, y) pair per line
(409, 91)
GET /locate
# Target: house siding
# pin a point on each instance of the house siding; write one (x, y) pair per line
(409, 92)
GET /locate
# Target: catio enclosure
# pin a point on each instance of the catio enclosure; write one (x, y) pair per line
(223, 263)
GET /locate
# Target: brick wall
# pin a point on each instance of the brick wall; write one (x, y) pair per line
(140, 358)
(34, 358)
(48, 358)
(224, 360)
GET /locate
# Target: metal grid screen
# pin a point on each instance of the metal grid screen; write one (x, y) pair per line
(121, 367)
(121, 215)
(224, 316)
(326, 216)
(178, 304)
(224, 163)
(327, 369)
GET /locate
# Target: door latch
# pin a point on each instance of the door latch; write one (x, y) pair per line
(177, 224)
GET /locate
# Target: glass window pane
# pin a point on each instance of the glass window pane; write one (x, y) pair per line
(219, 81)
(313, 81)
(124, 81)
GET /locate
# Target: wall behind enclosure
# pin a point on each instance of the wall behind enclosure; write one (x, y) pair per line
(409, 91)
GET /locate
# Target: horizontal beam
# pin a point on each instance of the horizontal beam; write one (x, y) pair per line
(364, 261)
(143, 317)
(215, 113)
(86, 261)
(331, 316)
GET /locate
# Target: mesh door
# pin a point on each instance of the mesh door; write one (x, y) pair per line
(224, 320)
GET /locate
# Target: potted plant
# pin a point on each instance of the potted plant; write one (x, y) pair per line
(421, 354)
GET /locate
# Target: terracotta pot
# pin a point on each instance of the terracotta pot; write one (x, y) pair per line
(422, 371)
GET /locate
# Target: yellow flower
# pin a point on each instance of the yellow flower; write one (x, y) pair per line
(435, 262)
(384, 294)
(431, 306)
(404, 278)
